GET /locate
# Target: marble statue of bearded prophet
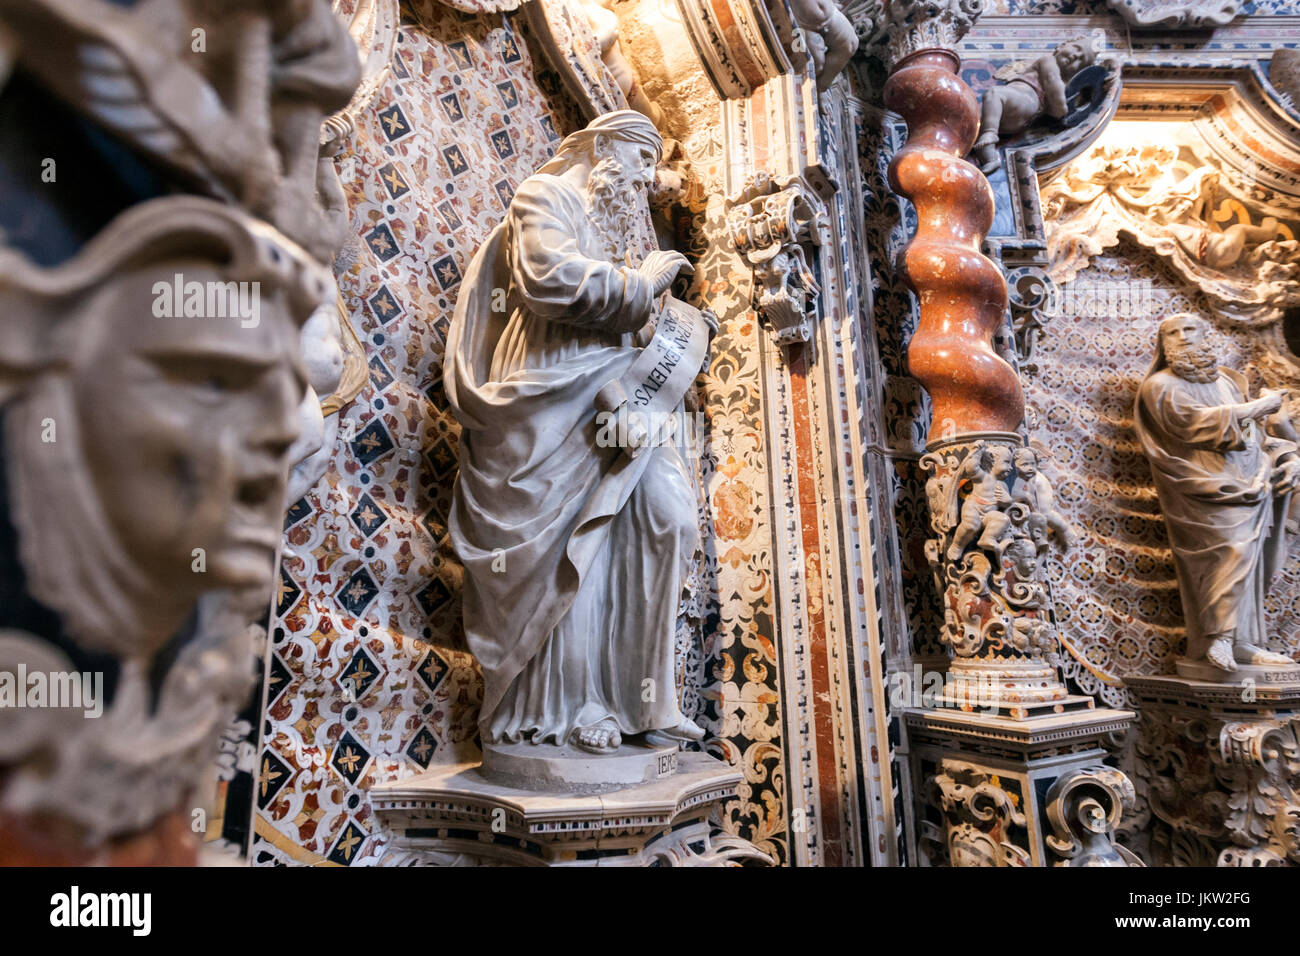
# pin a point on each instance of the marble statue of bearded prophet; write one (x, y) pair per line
(574, 550)
(1224, 476)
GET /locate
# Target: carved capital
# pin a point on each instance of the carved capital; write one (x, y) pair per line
(914, 26)
(774, 225)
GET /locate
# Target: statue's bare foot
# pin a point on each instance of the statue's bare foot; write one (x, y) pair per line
(1220, 654)
(1254, 654)
(687, 731)
(987, 158)
(599, 738)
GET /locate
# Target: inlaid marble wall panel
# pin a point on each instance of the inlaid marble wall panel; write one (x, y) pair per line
(1116, 592)
(909, 602)
(369, 678)
(740, 693)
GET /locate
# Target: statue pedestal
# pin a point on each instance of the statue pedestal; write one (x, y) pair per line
(456, 816)
(546, 768)
(1205, 672)
(1219, 766)
(995, 790)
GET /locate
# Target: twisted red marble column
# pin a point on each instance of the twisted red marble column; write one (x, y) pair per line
(962, 293)
(988, 544)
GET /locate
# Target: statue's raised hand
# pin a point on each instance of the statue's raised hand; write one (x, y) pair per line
(661, 268)
(1269, 403)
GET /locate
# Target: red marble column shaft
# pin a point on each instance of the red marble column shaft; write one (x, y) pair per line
(962, 293)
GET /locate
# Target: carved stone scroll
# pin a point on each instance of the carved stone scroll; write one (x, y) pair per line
(1084, 809)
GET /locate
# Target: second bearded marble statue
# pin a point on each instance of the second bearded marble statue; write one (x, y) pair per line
(1224, 474)
(575, 551)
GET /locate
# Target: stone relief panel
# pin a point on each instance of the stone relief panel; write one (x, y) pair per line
(1236, 247)
(1117, 598)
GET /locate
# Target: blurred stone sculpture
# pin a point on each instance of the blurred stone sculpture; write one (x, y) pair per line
(575, 544)
(145, 565)
(1224, 480)
(223, 98)
(1029, 93)
(151, 388)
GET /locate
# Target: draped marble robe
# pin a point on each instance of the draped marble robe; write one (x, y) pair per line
(1212, 469)
(574, 554)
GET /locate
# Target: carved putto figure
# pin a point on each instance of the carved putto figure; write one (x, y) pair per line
(991, 511)
(1039, 90)
(986, 469)
(832, 40)
(1224, 477)
(1032, 488)
(574, 549)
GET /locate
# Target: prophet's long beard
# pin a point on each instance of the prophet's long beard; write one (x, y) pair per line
(613, 206)
(1195, 362)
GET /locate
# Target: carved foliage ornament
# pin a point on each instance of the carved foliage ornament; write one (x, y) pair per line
(774, 225)
(1230, 788)
(1259, 764)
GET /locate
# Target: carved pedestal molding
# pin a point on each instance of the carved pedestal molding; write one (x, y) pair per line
(457, 816)
(991, 791)
(1220, 771)
(773, 225)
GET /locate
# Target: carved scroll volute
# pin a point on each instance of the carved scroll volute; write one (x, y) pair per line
(983, 825)
(1084, 809)
(962, 293)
